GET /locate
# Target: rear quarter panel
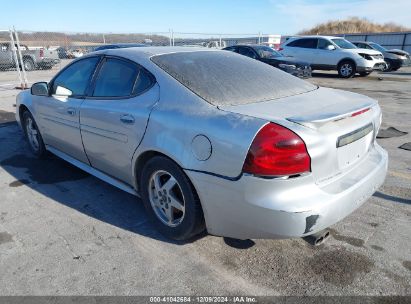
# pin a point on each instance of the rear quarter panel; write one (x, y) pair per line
(180, 116)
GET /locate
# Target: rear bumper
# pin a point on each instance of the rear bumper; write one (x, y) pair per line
(253, 207)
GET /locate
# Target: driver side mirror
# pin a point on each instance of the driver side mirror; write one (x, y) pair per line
(330, 47)
(40, 89)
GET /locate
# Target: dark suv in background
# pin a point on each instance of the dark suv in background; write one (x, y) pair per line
(272, 57)
(393, 58)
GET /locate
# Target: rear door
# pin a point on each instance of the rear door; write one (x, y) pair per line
(114, 118)
(303, 49)
(58, 115)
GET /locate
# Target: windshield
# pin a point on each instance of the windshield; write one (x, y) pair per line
(226, 78)
(378, 47)
(344, 44)
(266, 52)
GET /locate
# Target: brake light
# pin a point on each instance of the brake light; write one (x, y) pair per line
(277, 151)
(41, 53)
(280, 49)
(359, 112)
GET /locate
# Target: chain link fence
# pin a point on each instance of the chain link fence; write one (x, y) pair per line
(44, 53)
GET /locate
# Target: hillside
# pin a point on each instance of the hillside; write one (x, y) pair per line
(353, 25)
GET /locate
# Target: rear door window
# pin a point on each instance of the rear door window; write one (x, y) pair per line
(307, 43)
(121, 78)
(115, 79)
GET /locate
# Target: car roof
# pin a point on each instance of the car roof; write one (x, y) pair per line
(316, 36)
(147, 52)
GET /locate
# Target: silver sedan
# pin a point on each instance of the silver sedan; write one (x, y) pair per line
(210, 139)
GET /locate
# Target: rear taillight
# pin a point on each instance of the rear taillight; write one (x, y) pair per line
(280, 49)
(277, 151)
(41, 53)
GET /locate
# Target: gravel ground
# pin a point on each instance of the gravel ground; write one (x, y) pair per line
(63, 232)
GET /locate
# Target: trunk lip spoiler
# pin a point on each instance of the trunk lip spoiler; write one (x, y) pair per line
(323, 118)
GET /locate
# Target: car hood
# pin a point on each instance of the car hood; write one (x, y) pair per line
(289, 60)
(365, 51)
(398, 52)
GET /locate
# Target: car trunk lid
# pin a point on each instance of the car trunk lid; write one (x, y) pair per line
(338, 127)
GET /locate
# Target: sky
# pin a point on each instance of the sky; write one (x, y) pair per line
(194, 16)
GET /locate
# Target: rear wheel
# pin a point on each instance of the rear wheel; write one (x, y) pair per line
(346, 69)
(28, 64)
(170, 199)
(33, 135)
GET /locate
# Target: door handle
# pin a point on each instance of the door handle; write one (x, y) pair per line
(71, 111)
(127, 119)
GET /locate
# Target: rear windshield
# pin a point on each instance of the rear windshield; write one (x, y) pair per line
(226, 78)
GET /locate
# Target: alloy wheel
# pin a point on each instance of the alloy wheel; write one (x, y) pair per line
(346, 69)
(166, 198)
(32, 134)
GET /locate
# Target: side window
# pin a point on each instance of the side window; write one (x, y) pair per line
(322, 44)
(307, 43)
(144, 81)
(77, 76)
(247, 52)
(230, 48)
(4, 47)
(116, 79)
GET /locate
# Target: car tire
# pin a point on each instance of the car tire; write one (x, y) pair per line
(33, 136)
(28, 64)
(364, 74)
(346, 69)
(388, 67)
(170, 199)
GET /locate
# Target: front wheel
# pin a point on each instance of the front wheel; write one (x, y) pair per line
(170, 199)
(346, 69)
(388, 66)
(33, 136)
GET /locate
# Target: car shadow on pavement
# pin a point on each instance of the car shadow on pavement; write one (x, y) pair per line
(65, 184)
(397, 73)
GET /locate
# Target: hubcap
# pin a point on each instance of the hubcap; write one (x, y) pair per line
(166, 198)
(27, 65)
(346, 69)
(32, 134)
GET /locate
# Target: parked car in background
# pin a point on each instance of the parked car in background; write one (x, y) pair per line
(334, 53)
(270, 56)
(118, 46)
(210, 139)
(63, 53)
(393, 58)
(32, 59)
(77, 53)
(216, 44)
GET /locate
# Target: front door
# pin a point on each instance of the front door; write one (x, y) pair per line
(114, 118)
(58, 114)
